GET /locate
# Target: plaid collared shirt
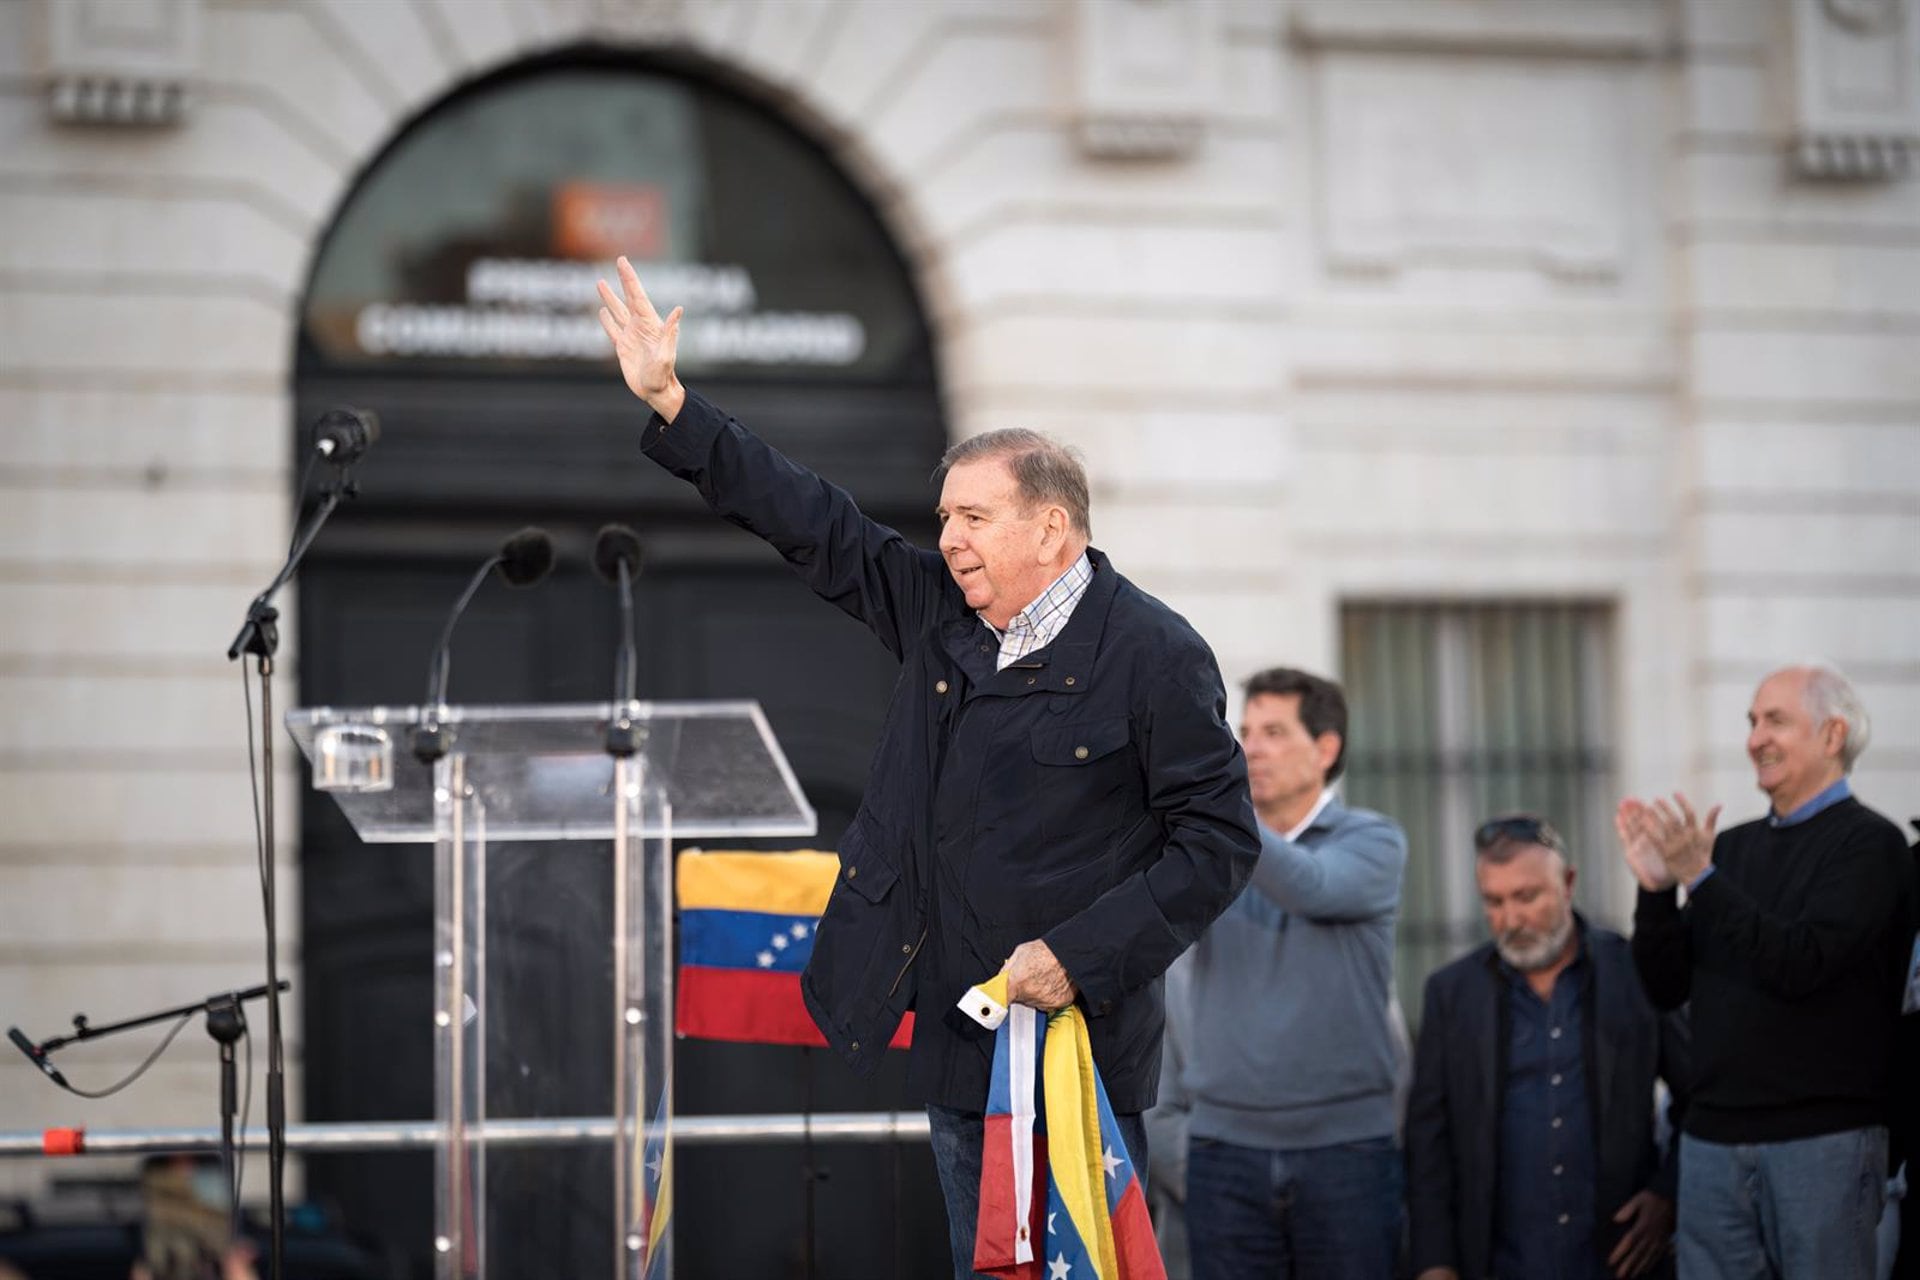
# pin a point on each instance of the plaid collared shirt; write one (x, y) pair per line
(1035, 626)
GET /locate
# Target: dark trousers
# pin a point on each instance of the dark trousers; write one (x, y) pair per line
(1321, 1213)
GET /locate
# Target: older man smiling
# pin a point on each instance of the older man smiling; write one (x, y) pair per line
(1791, 949)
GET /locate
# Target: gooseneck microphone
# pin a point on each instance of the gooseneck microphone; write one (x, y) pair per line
(616, 558)
(36, 1057)
(521, 561)
(342, 434)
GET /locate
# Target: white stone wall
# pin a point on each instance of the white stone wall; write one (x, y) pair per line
(1798, 470)
(1344, 299)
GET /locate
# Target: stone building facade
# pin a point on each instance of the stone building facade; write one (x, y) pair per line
(1349, 303)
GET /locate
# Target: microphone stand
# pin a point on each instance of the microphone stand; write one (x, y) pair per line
(225, 1023)
(260, 636)
(623, 734)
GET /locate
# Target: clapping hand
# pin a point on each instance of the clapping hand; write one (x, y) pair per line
(1682, 840)
(1636, 845)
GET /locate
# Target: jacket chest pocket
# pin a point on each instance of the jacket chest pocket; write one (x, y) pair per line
(1078, 744)
(1086, 780)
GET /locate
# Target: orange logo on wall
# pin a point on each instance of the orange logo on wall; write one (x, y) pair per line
(600, 220)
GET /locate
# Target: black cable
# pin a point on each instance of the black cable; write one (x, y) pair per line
(140, 1070)
(300, 496)
(240, 1141)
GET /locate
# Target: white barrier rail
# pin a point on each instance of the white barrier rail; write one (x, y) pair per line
(416, 1135)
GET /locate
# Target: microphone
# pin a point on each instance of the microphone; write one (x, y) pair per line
(36, 1057)
(526, 557)
(616, 558)
(521, 561)
(343, 434)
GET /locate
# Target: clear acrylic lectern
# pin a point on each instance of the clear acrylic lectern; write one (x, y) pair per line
(541, 773)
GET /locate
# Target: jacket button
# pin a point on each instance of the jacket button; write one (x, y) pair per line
(852, 872)
(1031, 679)
(906, 948)
(855, 1046)
(1068, 680)
(1079, 753)
(940, 687)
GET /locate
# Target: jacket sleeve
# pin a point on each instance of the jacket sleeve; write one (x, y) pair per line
(1661, 952)
(1430, 1122)
(1676, 1068)
(1353, 875)
(858, 565)
(1845, 910)
(1196, 785)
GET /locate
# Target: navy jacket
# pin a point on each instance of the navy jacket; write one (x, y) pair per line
(1453, 1113)
(1091, 794)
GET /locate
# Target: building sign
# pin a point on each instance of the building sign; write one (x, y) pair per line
(476, 242)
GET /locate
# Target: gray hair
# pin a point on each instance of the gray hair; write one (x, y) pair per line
(1044, 470)
(1831, 696)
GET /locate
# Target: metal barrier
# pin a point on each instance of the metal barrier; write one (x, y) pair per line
(414, 1135)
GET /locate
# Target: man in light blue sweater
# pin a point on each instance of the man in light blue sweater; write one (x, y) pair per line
(1292, 1167)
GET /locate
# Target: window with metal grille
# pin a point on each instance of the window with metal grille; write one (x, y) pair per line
(1462, 711)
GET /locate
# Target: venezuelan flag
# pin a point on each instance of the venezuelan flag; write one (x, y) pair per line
(746, 932)
(1094, 1224)
(656, 1209)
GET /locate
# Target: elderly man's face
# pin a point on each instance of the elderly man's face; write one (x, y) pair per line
(1529, 904)
(1793, 757)
(996, 548)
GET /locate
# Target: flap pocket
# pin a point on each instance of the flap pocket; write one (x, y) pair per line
(1080, 742)
(864, 869)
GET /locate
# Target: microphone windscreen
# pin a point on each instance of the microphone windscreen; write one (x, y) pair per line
(614, 543)
(526, 557)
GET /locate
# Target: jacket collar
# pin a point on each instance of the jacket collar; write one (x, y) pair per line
(1065, 666)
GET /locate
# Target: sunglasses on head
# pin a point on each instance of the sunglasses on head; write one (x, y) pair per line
(1521, 828)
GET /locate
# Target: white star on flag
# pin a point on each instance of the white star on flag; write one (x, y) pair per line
(766, 959)
(1112, 1161)
(1059, 1267)
(653, 1166)
(798, 931)
(779, 942)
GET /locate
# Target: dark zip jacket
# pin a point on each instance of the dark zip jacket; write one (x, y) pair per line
(1090, 795)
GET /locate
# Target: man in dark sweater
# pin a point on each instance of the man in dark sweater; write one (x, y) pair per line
(1792, 949)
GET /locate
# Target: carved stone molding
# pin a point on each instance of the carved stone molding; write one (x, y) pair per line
(1469, 169)
(1853, 79)
(119, 62)
(643, 21)
(1144, 76)
(1617, 29)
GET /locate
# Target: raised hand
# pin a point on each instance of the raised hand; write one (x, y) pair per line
(646, 344)
(1636, 845)
(1683, 840)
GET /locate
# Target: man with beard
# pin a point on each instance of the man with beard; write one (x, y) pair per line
(1530, 1129)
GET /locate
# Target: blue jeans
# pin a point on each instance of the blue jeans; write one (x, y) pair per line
(1321, 1213)
(1786, 1210)
(957, 1138)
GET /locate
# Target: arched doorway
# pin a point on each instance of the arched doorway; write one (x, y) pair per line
(452, 295)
